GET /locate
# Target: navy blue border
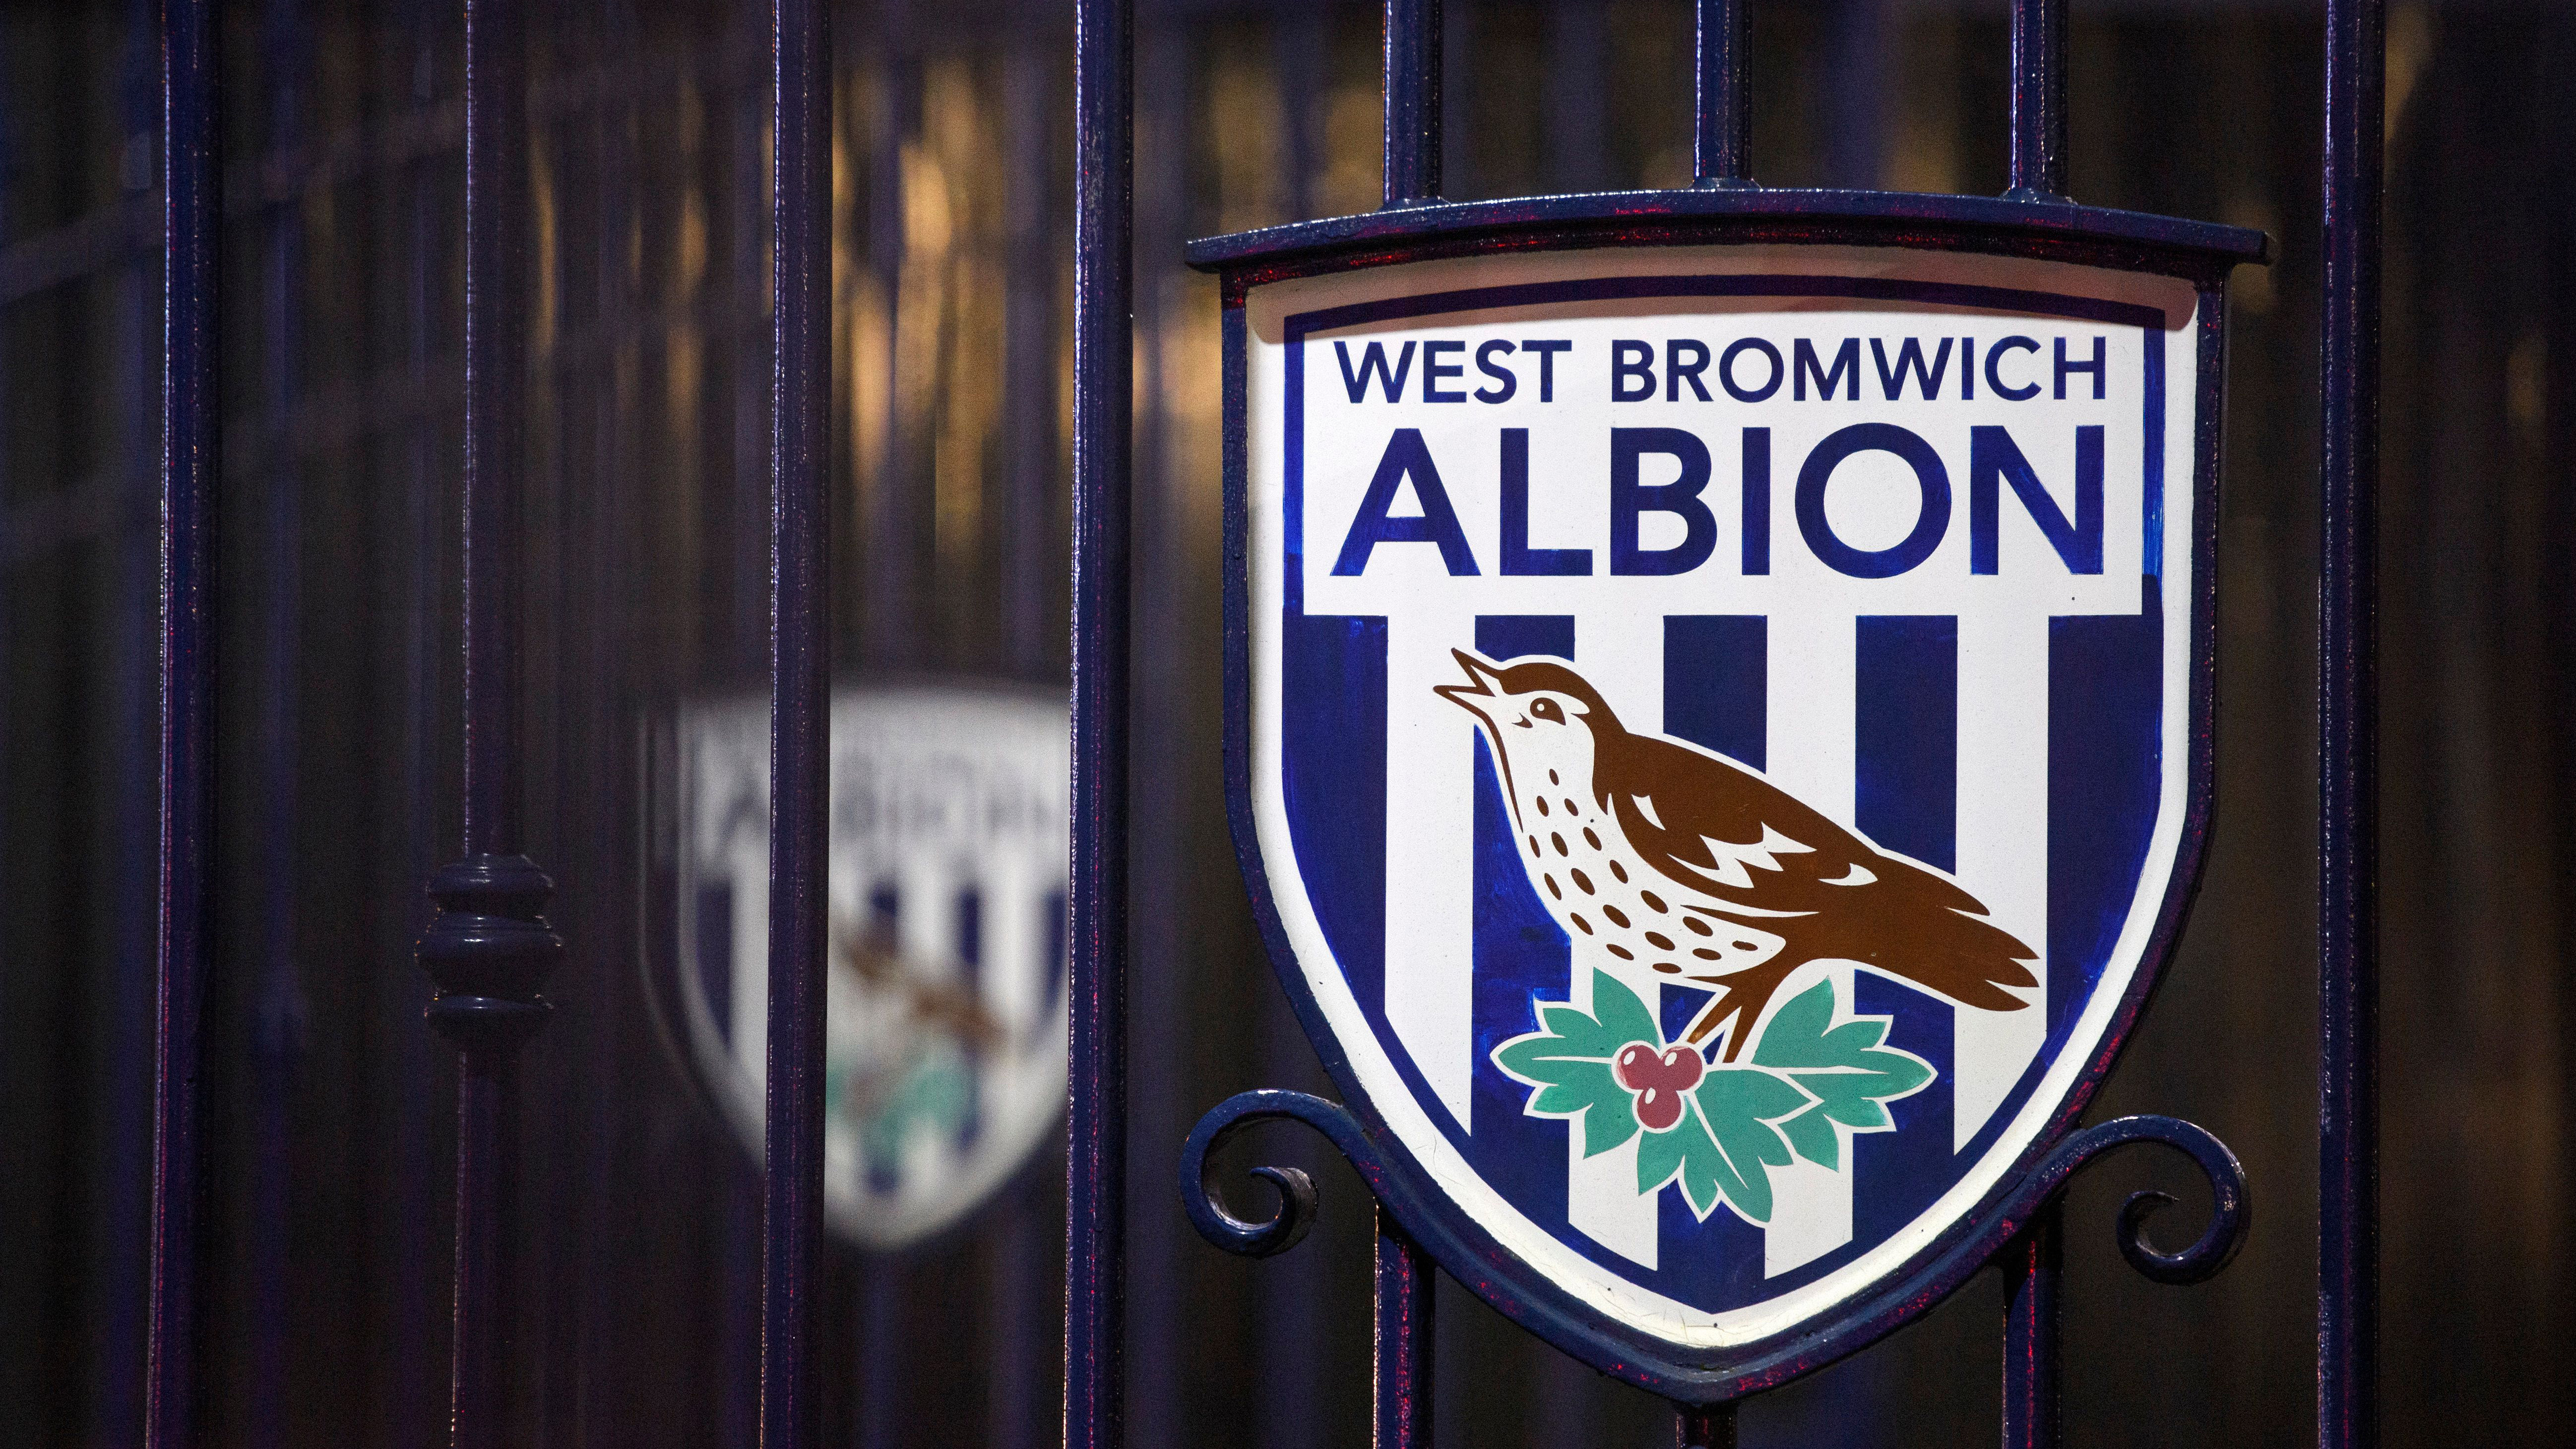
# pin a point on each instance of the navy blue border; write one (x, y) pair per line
(1462, 1246)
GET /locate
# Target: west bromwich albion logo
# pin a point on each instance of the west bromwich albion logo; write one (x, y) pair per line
(945, 1038)
(1716, 736)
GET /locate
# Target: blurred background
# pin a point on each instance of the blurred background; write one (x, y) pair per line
(648, 447)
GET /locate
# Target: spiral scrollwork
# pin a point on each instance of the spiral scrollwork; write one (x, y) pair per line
(1295, 1208)
(2231, 1210)
(2231, 1214)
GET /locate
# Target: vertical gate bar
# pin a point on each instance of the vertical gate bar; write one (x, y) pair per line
(496, 183)
(1710, 1427)
(2030, 1263)
(1401, 1413)
(2038, 101)
(799, 721)
(277, 1026)
(2348, 735)
(489, 948)
(1103, 399)
(1722, 130)
(1412, 156)
(191, 457)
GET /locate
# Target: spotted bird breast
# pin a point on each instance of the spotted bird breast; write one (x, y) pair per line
(1608, 900)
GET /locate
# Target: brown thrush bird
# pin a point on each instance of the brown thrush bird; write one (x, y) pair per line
(1682, 860)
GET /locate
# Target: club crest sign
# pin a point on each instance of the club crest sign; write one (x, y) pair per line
(1719, 744)
(945, 1017)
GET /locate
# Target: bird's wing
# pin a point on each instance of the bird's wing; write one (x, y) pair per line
(1716, 827)
(1758, 852)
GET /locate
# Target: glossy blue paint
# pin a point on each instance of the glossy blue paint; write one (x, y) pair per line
(1722, 119)
(1403, 1298)
(2038, 101)
(1103, 400)
(799, 721)
(2348, 735)
(1411, 168)
(2031, 1265)
(191, 453)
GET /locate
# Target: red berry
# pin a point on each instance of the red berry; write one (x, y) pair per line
(1660, 1080)
(1634, 1068)
(1683, 1068)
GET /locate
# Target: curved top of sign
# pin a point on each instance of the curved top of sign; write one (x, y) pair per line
(1719, 736)
(2129, 240)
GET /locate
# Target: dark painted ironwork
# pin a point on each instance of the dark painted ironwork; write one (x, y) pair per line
(2187, 248)
(1413, 74)
(191, 460)
(799, 728)
(2026, 1200)
(2038, 101)
(1103, 397)
(1401, 1402)
(489, 948)
(2031, 1267)
(1709, 1427)
(2348, 735)
(1722, 129)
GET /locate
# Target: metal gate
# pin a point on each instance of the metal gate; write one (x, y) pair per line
(490, 947)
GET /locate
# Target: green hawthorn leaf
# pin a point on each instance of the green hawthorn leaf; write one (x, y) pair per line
(1624, 1018)
(1724, 1148)
(1663, 1154)
(1814, 1137)
(1569, 1062)
(1845, 1068)
(1739, 1107)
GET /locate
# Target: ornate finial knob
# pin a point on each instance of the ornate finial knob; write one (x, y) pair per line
(489, 950)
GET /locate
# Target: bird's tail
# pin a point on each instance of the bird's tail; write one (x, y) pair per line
(1966, 958)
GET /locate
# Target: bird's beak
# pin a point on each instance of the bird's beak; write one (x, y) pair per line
(1481, 685)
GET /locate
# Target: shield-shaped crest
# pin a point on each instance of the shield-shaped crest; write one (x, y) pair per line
(1720, 745)
(945, 1018)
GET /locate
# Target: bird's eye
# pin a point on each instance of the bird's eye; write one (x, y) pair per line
(1546, 709)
